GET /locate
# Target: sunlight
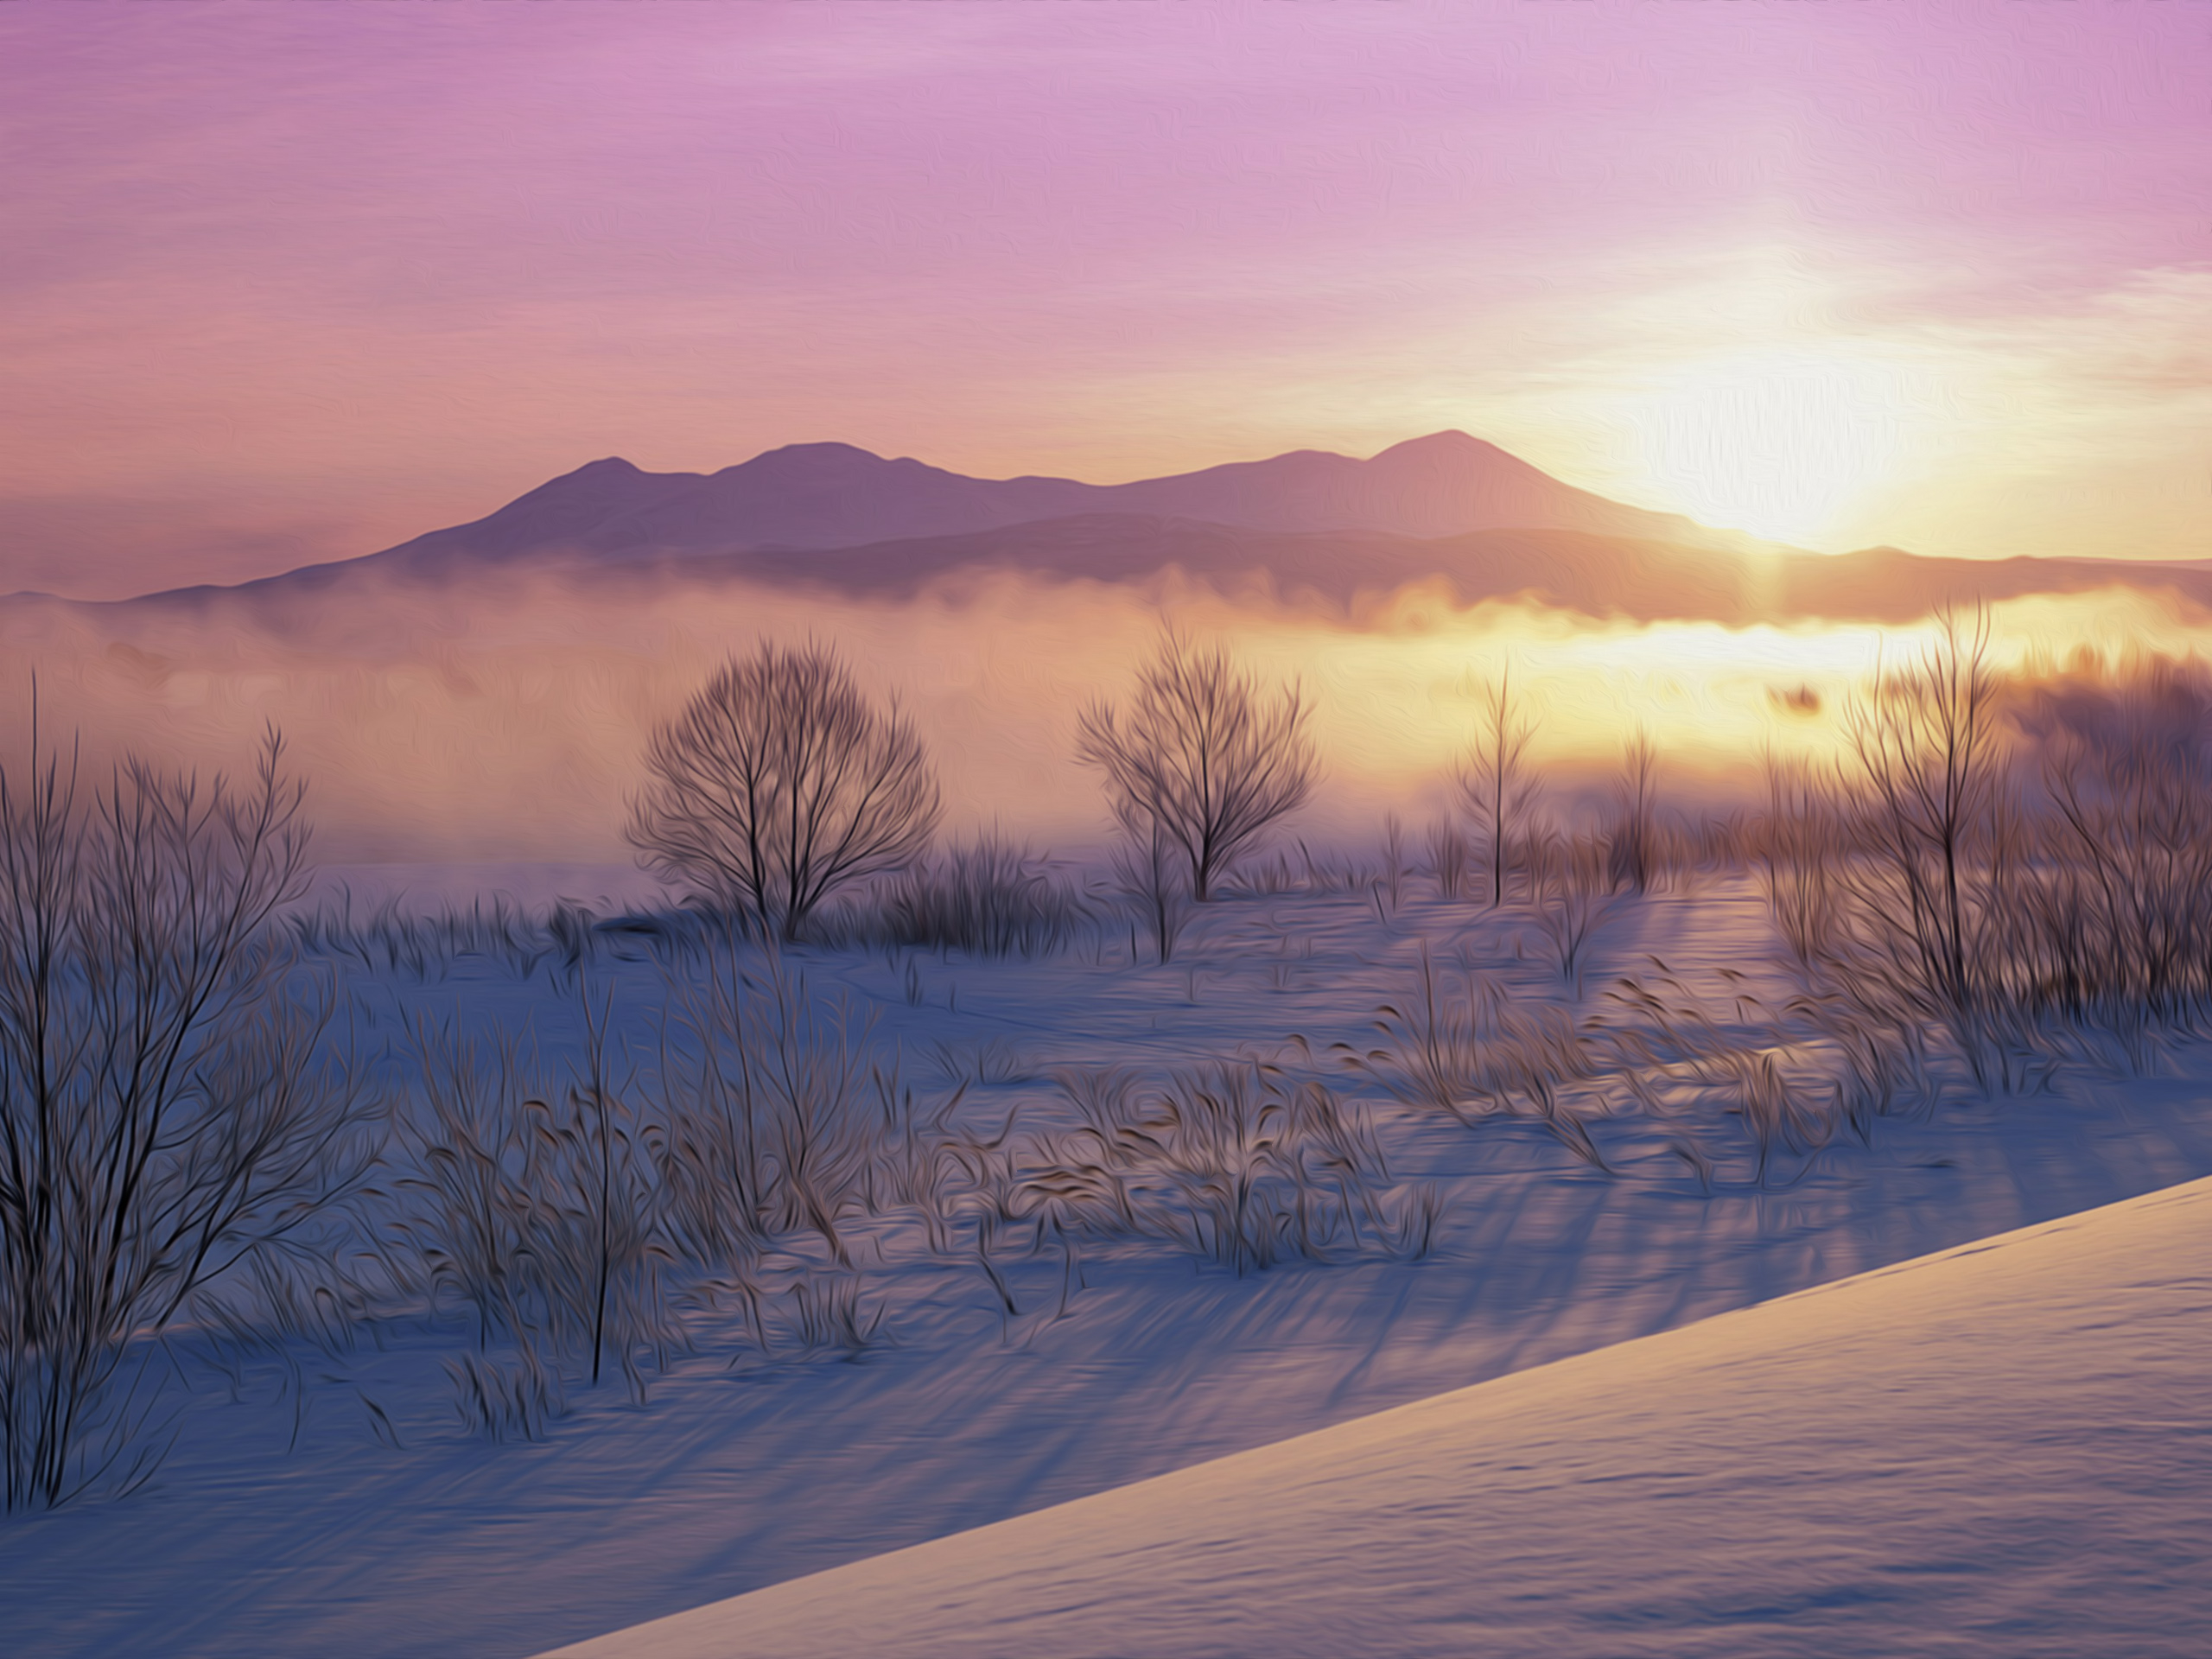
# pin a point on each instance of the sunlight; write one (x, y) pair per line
(1781, 444)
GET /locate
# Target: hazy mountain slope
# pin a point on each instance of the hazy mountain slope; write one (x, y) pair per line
(1447, 484)
(828, 495)
(2001, 1448)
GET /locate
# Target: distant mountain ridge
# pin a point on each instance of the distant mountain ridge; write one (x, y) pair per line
(1447, 508)
(833, 495)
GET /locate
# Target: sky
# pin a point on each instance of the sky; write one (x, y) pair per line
(283, 283)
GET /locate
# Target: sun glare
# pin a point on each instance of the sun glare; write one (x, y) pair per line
(1781, 444)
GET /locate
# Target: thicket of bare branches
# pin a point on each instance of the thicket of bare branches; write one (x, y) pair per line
(1202, 760)
(779, 784)
(2121, 892)
(1998, 852)
(169, 1105)
(1929, 764)
(988, 896)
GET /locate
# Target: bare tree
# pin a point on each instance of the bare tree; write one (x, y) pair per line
(1927, 763)
(1202, 760)
(1495, 778)
(780, 783)
(169, 1104)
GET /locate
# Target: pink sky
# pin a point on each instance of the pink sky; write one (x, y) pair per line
(281, 283)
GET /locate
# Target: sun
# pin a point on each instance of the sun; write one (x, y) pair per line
(1783, 444)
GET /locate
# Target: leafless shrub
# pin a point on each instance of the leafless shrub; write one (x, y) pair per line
(1202, 761)
(988, 897)
(1448, 858)
(535, 1204)
(1770, 1107)
(767, 1127)
(1411, 1234)
(500, 1400)
(1881, 1067)
(780, 784)
(1573, 893)
(1151, 876)
(1798, 845)
(1497, 782)
(2118, 894)
(1722, 841)
(828, 1313)
(173, 1099)
(1393, 884)
(462, 1145)
(1633, 853)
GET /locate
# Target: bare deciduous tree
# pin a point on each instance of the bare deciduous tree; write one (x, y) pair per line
(780, 783)
(1495, 781)
(168, 1106)
(1202, 760)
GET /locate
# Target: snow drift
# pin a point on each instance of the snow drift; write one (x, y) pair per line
(2002, 1447)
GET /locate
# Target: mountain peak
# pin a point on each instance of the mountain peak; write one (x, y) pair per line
(815, 457)
(1450, 441)
(1449, 448)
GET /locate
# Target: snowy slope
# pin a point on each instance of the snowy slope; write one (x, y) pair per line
(2005, 1447)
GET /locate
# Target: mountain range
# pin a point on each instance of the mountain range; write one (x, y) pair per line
(1448, 507)
(817, 496)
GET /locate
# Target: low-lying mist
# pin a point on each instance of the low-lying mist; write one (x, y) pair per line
(504, 722)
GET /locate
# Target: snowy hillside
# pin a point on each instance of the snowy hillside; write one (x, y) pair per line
(2002, 1448)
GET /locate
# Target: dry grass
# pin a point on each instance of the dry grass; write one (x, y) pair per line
(1462, 1049)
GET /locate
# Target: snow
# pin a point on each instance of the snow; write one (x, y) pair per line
(327, 1499)
(2002, 1447)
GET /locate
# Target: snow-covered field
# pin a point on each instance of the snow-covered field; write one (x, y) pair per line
(331, 1497)
(2001, 1448)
